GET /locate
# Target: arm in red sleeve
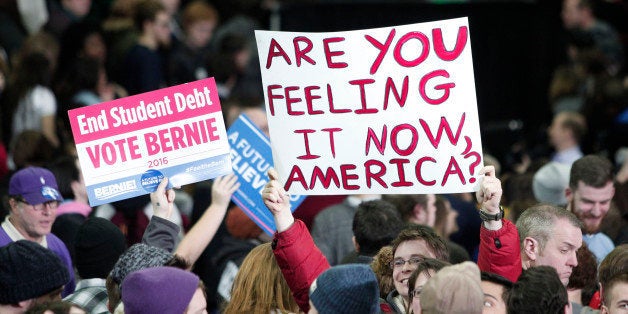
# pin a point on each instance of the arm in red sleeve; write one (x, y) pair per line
(300, 261)
(500, 252)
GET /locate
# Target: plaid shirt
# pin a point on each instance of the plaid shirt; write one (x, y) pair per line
(91, 295)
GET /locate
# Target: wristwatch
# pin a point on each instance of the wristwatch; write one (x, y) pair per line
(488, 217)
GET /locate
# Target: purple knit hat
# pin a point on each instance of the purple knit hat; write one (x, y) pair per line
(166, 290)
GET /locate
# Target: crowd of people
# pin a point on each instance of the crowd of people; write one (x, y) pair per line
(546, 232)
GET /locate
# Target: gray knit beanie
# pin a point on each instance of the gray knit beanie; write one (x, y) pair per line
(29, 270)
(346, 289)
(138, 256)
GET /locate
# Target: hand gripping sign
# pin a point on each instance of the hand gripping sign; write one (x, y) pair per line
(251, 158)
(386, 110)
(126, 146)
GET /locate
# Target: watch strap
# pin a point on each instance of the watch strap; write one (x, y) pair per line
(490, 217)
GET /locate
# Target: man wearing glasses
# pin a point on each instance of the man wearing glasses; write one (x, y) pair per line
(33, 201)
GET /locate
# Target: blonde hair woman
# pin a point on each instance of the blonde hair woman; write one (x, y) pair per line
(259, 286)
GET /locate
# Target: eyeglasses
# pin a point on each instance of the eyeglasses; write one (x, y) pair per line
(416, 293)
(399, 262)
(39, 207)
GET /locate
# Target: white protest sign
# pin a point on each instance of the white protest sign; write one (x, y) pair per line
(386, 110)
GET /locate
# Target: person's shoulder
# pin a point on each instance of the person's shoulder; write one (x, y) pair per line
(4, 237)
(340, 207)
(598, 238)
(588, 310)
(138, 53)
(333, 213)
(56, 245)
(52, 238)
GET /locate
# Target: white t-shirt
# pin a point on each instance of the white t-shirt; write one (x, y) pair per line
(37, 103)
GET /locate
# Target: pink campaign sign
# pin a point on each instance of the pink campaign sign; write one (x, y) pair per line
(128, 145)
(144, 110)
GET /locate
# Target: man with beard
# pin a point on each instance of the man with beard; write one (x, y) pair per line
(589, 196)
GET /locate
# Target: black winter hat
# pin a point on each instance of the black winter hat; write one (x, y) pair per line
(28, 270)
(98, 246)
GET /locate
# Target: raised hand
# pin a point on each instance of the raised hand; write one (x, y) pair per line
(278, 201)
(274, 195)
(489, 195)
(162, 200)
(203, 231)
(223, 188)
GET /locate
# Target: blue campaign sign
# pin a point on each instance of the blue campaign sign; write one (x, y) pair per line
(251, 157)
